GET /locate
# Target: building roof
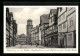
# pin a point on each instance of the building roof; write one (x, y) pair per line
(44, 19)
(45, 15)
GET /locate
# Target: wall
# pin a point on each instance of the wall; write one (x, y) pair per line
(73, 18)
(62, 20)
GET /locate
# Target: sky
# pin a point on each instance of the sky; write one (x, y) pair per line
(22, 14)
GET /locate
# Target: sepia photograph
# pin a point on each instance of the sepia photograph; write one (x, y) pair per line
(40, 29)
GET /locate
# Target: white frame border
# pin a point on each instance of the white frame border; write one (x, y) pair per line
(36, 50)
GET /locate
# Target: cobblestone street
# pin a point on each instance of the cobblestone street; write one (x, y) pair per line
(27, 46)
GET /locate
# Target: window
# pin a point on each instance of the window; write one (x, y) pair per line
(64, 25)
(60, 27)
(71, 22)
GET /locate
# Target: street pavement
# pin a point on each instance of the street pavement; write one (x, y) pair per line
(30, 46)
(27, 46)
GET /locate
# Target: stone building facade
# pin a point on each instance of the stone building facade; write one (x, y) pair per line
(71, 22)
(43, 22)
(62, 27)
(33, 36)
(14, 32)
(21, 39)
(52, 30)
(37, 35)
(67, 27)
(9, 29)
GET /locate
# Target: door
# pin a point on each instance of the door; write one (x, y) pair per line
(65, 41)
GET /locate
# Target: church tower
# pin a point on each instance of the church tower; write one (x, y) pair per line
(29, 27)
